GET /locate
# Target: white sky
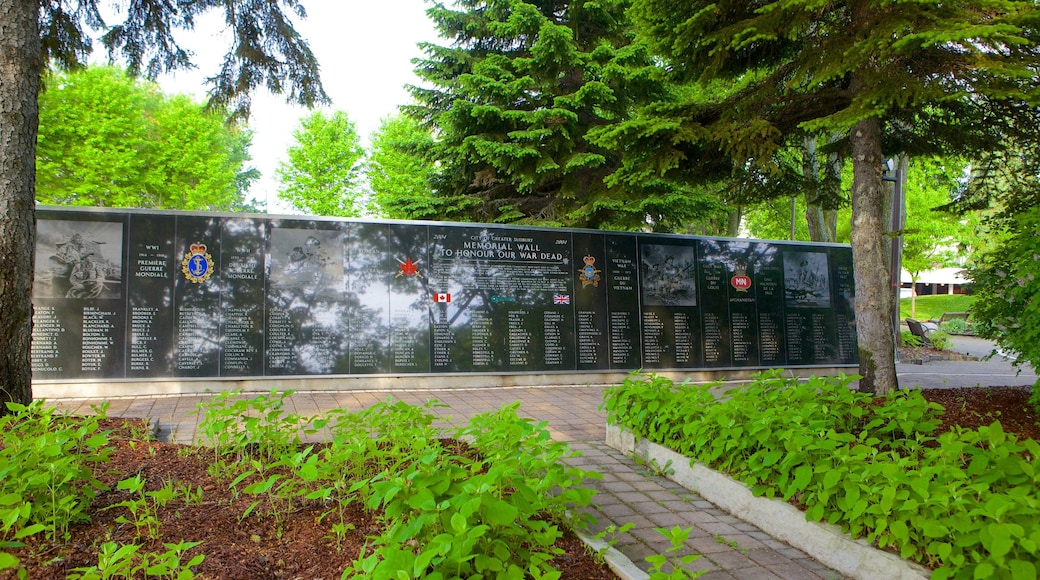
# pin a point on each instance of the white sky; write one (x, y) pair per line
(364, 48)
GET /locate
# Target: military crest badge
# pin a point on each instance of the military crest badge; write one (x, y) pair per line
(588, 274)
(197, 264)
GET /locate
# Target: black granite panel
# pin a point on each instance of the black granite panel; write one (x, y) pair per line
(154, 269)
(133, 294)
(670, 298)
(79, 316)
(591, 309)
(623, 311)
(242, 246)
(199, 285)
(409, 290)
(308, 311)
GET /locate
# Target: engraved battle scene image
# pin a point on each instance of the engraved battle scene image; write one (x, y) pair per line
(669, 275)
(806, 280)
(80, 260)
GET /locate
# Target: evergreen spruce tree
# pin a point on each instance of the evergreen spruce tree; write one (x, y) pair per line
(512, 99)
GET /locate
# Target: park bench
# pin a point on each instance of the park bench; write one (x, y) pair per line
(920, 329)
(952, 316)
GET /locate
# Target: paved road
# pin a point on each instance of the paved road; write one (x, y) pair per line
(997, 371)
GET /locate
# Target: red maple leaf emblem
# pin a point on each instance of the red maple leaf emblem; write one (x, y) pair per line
(409, 268)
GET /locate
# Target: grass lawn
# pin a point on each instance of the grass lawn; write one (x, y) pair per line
(932, 307)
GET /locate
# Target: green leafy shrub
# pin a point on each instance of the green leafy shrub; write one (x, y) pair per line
(964, 502)
(910, 339)
(128, 561)
(258, 427)
(494, 507)
(495, 513)
(46, 475)
(940, 340)
(956, 326)
(1006, 284)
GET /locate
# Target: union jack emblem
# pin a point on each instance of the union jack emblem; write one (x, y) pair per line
(561, 299)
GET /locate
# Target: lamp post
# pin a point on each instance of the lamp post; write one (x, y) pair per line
(894, 172)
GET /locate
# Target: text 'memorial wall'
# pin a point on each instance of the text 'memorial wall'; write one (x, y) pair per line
(147, 295)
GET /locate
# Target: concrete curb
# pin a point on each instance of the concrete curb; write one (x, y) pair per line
(825, 542)
(618, 562)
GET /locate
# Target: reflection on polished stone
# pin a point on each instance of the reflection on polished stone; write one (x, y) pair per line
(142, 294)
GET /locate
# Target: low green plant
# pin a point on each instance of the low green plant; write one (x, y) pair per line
(249, 428)
(114, 561)
(677, 537)
(610, 537)
(962, 502)
(940, 340)
(142, 506)
(733, 544)
(956, 326)
(652, 467)
(128, 561)
(192, 496)
(296, 473)
(493, 508)
(496, 512)
(1034, 397)
(910, 339)
(46, 470)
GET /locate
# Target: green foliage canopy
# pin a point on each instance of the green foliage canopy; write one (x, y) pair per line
(107, 139)
(1006, 277)
(513, 98)
(324, 169)
(932, 237)
(400, 170)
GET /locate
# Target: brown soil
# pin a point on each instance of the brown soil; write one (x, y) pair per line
(251, 548)
(974, 407)
(303, 546)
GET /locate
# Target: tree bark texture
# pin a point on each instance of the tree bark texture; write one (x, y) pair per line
(873, 295)
(20, 69)
(733, 225)
(821, 193)
(831, 190)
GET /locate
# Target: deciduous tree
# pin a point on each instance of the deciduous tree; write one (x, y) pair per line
(322, 175)
(266, 51)
(933, 238)
(108, 139)
(400, 169)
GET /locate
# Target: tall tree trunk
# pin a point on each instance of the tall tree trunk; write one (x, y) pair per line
(811, 177)
(733, 226)
(822, 194)
(873, 296)
(20, 69)
(831, 191)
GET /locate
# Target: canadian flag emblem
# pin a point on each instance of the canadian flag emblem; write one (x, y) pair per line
(441, 297)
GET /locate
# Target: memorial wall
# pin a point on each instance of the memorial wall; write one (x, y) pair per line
(146, 295)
